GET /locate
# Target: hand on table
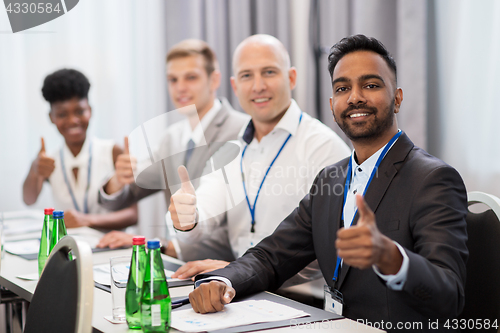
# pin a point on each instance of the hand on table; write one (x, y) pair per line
(211, 296)
(115, 239)
(363, 245)
(183, 203)
(193, 268)
(76, 219)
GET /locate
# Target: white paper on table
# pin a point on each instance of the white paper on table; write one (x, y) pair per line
(88, 235)
(102, 275)
(22, 226)
(120, 273)
(28, 277)
(21, 239)
(23, 247)
(234, 314)
(112, 321)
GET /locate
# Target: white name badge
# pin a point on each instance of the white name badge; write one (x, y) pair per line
(246, 242)
(333, 301)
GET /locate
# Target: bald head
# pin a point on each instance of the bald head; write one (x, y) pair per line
(255, 42)
(263, 80)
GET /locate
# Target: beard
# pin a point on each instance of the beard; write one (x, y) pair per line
(369, 129)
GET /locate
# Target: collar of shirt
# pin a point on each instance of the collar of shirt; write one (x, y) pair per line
(79, 160)
(360, 174)
(365, 169)
(197, 135)
(288, 123)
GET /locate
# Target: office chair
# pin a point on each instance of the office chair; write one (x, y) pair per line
(482, 290)
(63, 298)
(16, 306)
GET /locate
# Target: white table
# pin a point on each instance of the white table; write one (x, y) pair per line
(13, 266)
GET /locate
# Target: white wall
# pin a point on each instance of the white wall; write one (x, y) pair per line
(119, 45)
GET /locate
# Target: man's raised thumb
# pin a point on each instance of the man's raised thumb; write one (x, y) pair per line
(42, 150)
(125, 145)
(187, 186)
(365, 213)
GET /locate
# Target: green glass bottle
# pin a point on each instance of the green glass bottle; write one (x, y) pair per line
(135, 280)
(59, 230)
(44, 251)
(156, 305)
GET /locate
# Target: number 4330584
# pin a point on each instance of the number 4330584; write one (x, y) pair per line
(32, 8)
(473, 324)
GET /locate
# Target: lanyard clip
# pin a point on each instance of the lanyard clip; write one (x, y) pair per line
(252, 229)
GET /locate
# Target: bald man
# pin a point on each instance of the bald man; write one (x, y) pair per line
(282, 149)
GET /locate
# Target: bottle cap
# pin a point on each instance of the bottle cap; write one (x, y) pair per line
(153, 244)
(58, 213)
(139, 240)
(48, 211)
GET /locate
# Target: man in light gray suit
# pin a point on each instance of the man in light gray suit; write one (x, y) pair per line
(193, 78)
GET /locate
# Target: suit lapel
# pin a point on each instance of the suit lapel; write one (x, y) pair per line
(381, 181)
(387, 171)
(210, 134)
(335, 215)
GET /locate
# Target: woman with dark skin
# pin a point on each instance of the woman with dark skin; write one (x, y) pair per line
(68, 169)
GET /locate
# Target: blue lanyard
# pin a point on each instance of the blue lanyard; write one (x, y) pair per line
(348, 183)
(85, 200)
(252, 209)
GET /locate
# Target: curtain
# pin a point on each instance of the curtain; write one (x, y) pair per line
(464, 53)
(401, 27)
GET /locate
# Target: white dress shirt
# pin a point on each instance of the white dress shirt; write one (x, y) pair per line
(360, 175)
(311, 147)
(101, 167)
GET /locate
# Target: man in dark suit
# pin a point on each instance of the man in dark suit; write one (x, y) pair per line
(193, 78)
(402, 252)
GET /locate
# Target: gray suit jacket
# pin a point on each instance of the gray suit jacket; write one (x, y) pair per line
(224, 127)
(418, 201)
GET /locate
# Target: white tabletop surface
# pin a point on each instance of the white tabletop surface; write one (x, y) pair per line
(11, 267)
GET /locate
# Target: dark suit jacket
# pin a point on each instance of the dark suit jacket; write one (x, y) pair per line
(419, 202)
(224, 127)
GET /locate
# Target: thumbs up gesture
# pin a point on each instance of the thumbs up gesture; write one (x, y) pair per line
(124, 170)
(43, 165)
(363, 245)
(183, 203)
(125, 165)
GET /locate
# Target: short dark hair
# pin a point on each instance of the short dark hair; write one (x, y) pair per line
(190, 47)
(359, 43)
(65, 84)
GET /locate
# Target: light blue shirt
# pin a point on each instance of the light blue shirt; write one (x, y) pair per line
(359, 178)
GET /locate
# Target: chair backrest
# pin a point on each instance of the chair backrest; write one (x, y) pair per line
(64, 295)
(482, 289)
